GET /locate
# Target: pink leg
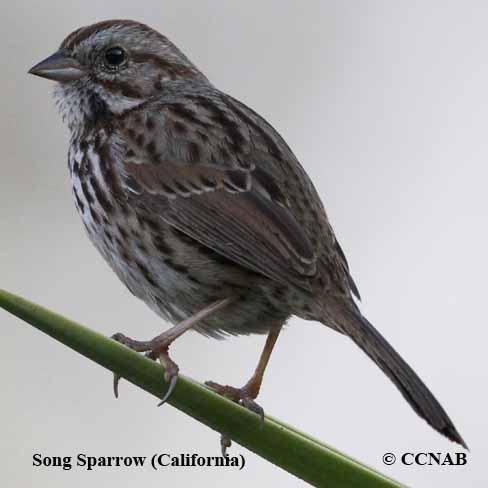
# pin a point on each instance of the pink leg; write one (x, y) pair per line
(158, 347)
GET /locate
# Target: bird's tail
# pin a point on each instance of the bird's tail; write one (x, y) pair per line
(361, 331)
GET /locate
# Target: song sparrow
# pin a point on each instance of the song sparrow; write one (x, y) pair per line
(201, 208)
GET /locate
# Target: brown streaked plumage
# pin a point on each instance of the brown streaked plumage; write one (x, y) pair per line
(201, 208)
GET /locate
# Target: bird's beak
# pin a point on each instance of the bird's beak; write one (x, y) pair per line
(58, 67)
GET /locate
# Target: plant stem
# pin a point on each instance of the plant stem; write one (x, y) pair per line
(277, 442)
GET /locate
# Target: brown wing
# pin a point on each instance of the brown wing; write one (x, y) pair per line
(215, 170)
(228, 212)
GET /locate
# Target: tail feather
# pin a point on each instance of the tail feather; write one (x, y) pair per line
(362, 332)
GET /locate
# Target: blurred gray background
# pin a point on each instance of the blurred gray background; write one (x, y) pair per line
(385, 103)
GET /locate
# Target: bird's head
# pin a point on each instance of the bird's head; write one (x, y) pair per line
(107, 68)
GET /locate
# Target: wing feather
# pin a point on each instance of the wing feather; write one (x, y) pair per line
(214, 170)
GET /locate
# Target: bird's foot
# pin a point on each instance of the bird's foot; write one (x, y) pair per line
(156, 349)
(244, 396)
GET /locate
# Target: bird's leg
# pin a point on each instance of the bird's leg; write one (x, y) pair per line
(157, 348)
(246, 395)
(249, 392)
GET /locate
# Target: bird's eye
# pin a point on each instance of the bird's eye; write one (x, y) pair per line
(114, 57)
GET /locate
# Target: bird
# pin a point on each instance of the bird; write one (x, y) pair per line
(201, 208)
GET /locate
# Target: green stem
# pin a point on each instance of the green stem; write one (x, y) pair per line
(277, 442)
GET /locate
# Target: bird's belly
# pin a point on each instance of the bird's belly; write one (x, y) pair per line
(172, 276)
(150, 275)
(136, 251)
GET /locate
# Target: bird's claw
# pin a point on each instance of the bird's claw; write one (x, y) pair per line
(251, 405)
(172, 383)
(242, 397)
(150, 355)
(238, 395)
(170, 373)
(225, 443)
(116, 385)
